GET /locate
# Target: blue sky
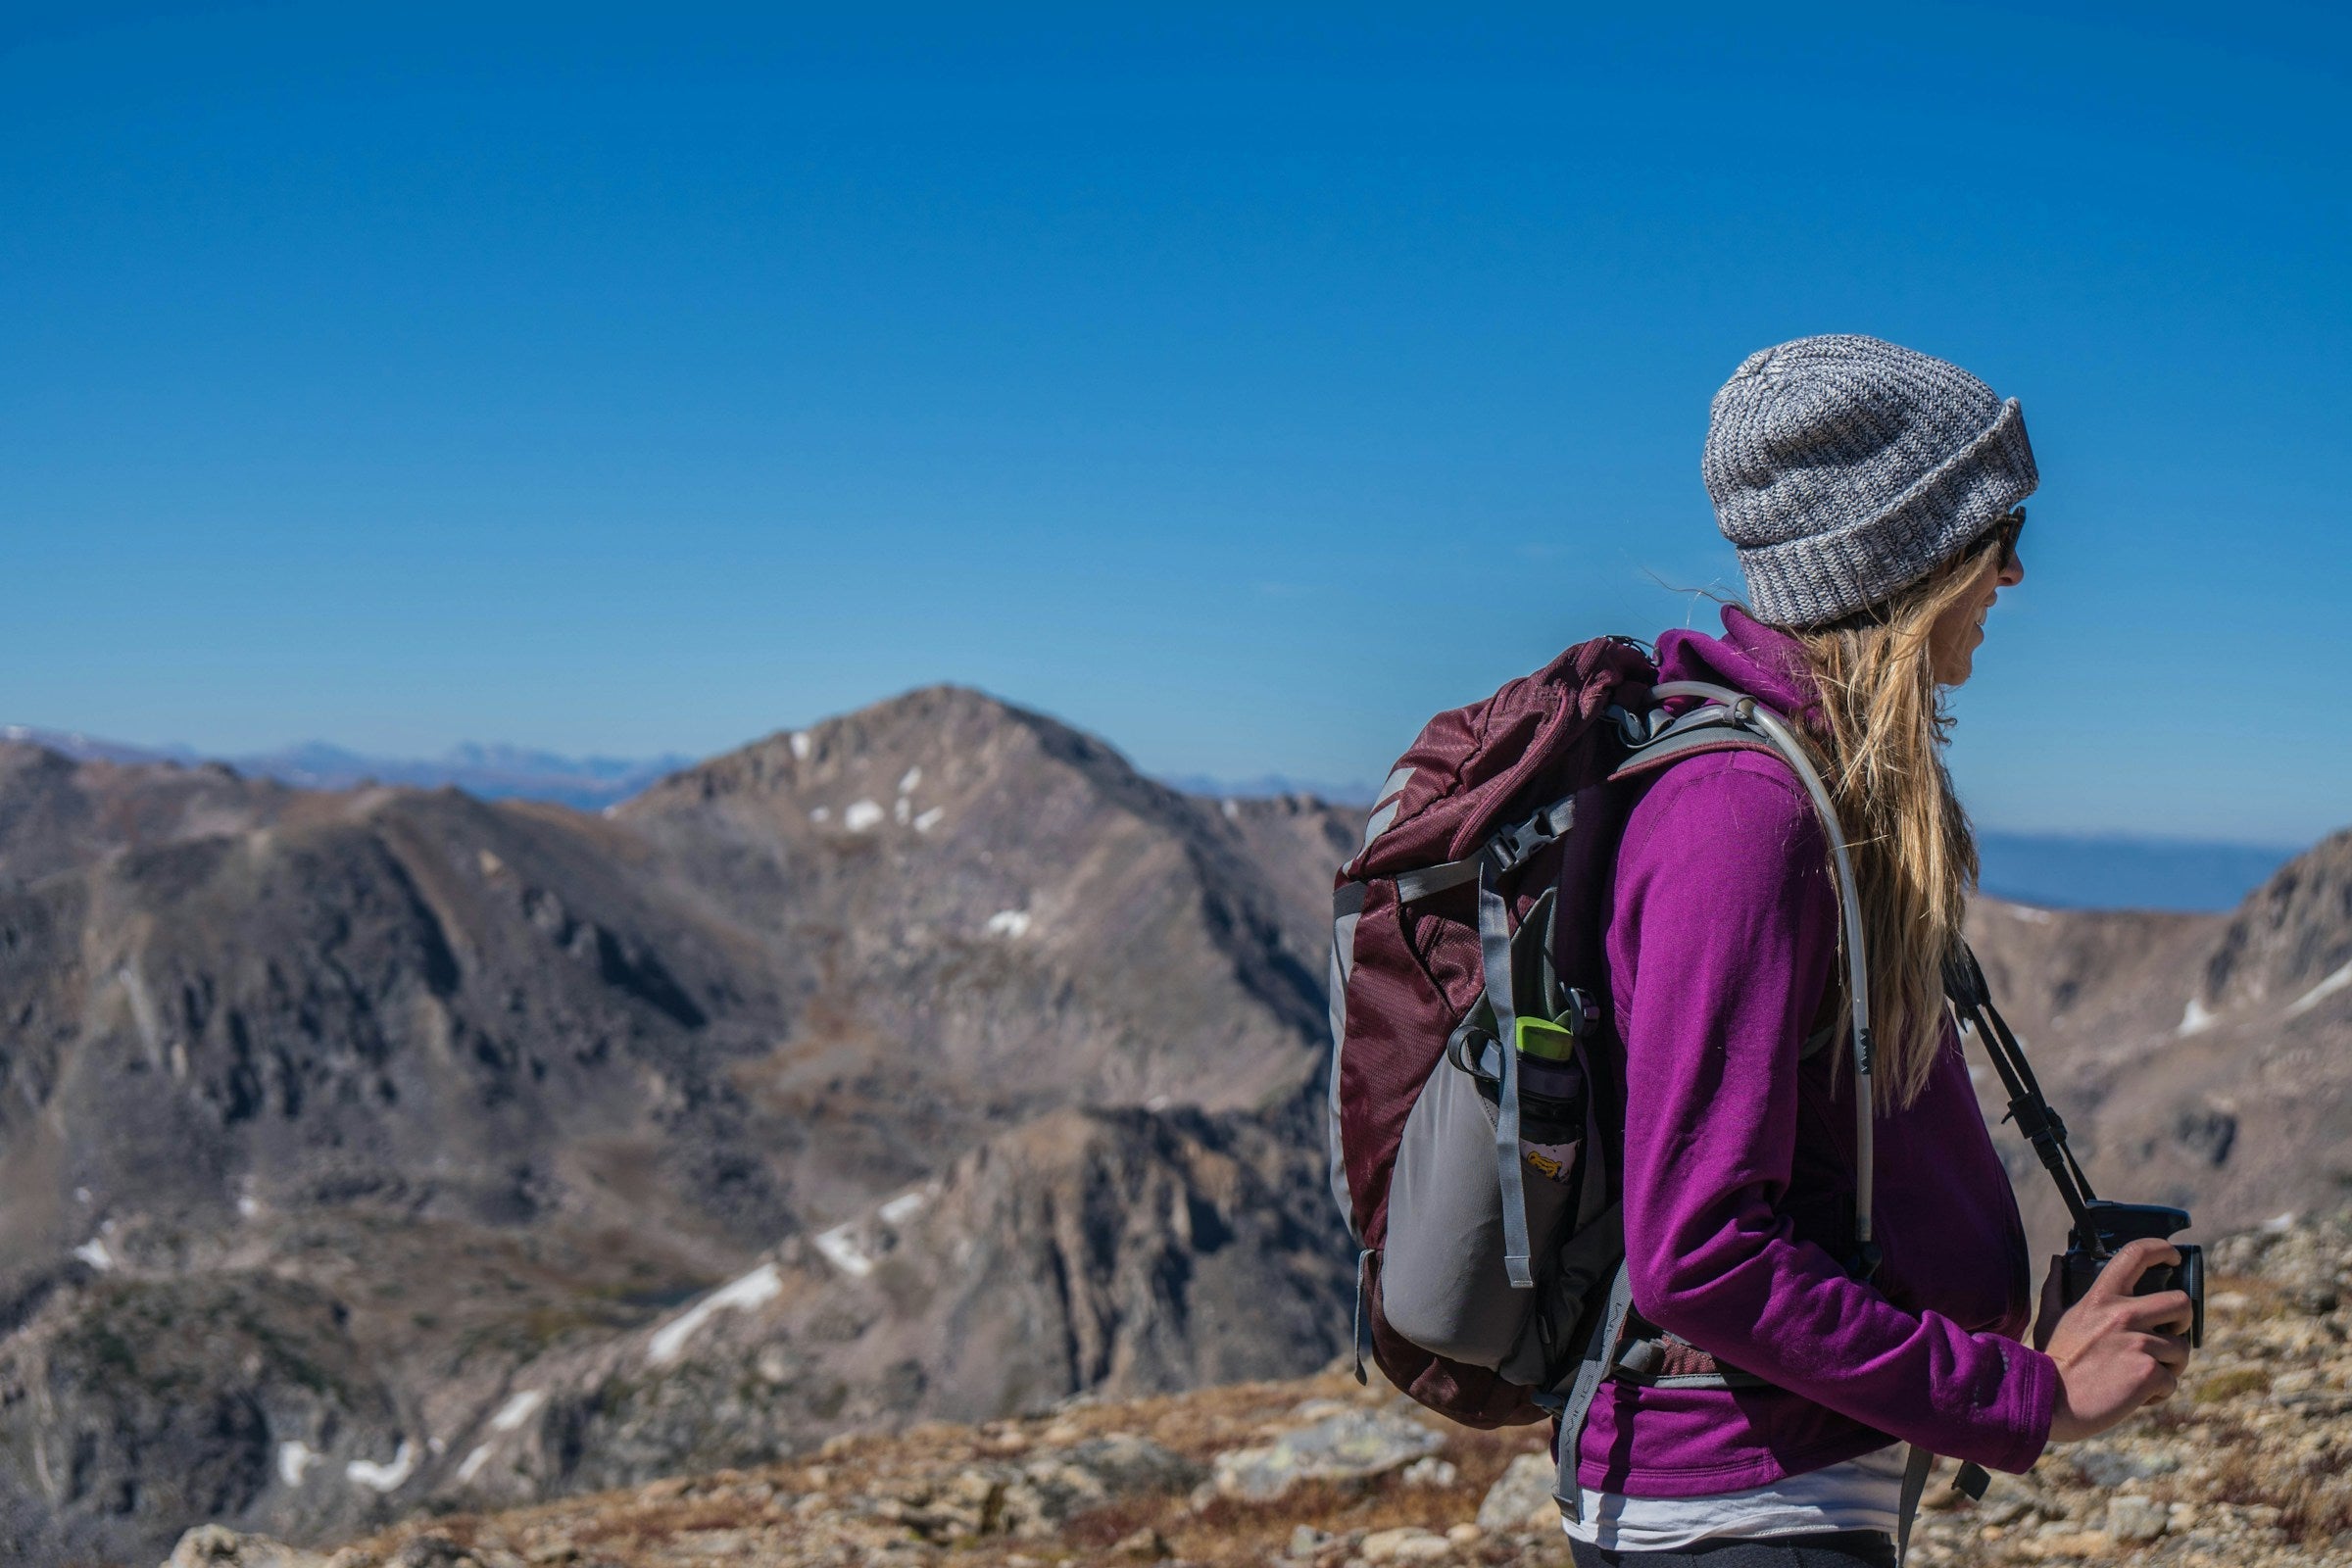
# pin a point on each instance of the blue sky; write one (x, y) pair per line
(1243, 383)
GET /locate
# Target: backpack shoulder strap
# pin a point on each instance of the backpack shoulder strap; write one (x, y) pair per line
(1676, 740)
(1728, 720)
(1710, 731)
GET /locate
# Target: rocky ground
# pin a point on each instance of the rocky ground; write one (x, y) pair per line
(2242, 1468)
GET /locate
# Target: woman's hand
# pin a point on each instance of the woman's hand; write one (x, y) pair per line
(2116, 1352)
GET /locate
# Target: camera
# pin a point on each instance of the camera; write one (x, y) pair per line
(2102, 1228)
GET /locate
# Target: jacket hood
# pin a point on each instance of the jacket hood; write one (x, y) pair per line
(1763, 661)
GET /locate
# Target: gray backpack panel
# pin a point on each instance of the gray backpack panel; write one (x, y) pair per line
(1442, 1284)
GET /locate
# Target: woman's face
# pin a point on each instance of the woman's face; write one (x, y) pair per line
(1952, 644)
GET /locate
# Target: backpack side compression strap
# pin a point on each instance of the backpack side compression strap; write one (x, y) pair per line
(1601, 1356)
(1510, 848)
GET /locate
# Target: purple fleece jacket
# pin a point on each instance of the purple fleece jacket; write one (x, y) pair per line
(1738, 1159)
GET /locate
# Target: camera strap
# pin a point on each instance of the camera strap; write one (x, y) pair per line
(2044, 1129)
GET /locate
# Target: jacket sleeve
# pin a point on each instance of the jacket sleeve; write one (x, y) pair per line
(1727, 914)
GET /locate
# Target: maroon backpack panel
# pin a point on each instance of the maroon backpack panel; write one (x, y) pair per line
(1407, 970)
(1416, 969)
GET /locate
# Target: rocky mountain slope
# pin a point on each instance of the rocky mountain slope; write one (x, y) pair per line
(1088, 1249)
(57, 813)
(490, 772)
(2203, 1061)
(2241, 1469)
(946, 870)
(369, 1148)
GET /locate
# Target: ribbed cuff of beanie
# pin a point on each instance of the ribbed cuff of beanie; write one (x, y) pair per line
(1803, 582)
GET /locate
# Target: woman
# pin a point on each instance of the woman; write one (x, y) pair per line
(1873, 495)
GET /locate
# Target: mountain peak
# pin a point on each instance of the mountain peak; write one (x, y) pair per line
(2290, 941)
(952, 733)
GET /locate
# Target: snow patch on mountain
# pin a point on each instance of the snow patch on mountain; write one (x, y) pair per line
(294, 1458)
(516, 1410)
(759, 1285)
(385, 1476)
(2323, 990)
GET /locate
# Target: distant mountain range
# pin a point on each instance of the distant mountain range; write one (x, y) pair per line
(2055, 870)
(493, 772)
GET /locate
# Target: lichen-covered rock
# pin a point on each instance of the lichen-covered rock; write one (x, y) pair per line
(1029, 1497)
(431, 1550)
(1521, 1500)
(1306, 1540)
(1349, 1446)
(213, 1547)
(2134, 1519)
(1405, 1543)
(1430, 1471)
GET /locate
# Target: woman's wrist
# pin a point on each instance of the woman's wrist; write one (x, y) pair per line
(2035, 1392)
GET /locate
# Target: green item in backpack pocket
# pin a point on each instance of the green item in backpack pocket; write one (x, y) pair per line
(1540, 1037)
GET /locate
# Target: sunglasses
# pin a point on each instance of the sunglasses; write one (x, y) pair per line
(2005, 534)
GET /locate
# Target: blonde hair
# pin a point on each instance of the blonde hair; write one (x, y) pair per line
(1883, 727)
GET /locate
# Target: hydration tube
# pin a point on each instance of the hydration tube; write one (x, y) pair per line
(1744, 711)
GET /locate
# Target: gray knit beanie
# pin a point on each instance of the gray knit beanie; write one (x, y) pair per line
(1847, 468)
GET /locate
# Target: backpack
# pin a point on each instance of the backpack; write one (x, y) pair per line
(1467, 1096)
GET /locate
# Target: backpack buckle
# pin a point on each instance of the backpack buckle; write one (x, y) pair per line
(1467, 1050)
(1583, 1012)
(1518, 843)
(1638, 730)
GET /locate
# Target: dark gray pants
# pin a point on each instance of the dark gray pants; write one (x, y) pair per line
(1843, 1548)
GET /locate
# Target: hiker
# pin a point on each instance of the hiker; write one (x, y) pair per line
(1804, 1286)
(1873, 495)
